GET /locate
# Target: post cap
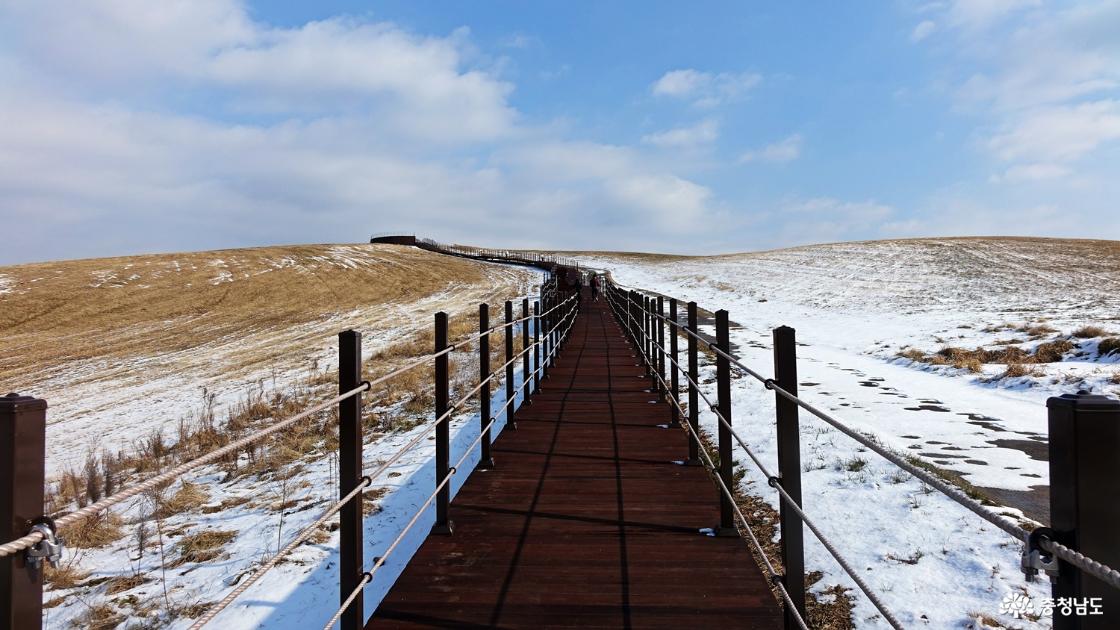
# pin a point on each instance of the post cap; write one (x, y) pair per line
(15, 403)
(1083, 401)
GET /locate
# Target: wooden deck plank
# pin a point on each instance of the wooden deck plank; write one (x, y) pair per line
(586, 521)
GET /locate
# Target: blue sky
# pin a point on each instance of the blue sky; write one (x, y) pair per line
(134, 126)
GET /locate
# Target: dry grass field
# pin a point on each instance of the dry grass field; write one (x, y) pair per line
(119, 345)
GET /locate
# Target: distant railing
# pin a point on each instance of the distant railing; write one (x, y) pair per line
(1084, 442)
(33, 536)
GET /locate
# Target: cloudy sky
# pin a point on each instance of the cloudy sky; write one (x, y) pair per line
(131, 126)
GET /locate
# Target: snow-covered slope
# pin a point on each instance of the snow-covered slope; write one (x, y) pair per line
(144, 350)
(857, 307)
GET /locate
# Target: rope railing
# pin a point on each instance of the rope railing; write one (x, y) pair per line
(560, 309)
(303, 535)
(772, 573)
(452, 409)
(952, 492)
(379, 561)
(774, 482)
(645, 339)
(97, 507)
(34, 537)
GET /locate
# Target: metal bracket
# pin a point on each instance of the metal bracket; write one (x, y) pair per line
(49, 548)
(1035, 559)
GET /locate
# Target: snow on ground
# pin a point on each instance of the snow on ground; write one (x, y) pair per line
(301, 592)
(855, 306)
(114, 401)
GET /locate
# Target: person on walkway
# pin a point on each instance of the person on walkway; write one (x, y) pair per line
(595, 288)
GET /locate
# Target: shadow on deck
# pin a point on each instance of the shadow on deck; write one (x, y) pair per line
(586, 520)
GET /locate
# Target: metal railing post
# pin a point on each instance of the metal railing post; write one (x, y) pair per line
(630, 317)
(547, 336)
(789, 470)
(536, 346)
(23, 432)
(693, 392)
(443, 429)
(659, 318)
(1084, 432)
(674, 371)
(486, 460)
(723, 404)
(524, 347)
(647, 341)
(350, 548)
(509, 365)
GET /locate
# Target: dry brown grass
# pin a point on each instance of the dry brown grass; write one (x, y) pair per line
(974, 360)
(1036, 331)
(189, 496)
(95, 531)
(1052, 351)
(66, 576)
(1108, 346)
(99, 617)
(203, 546)
(124, 583)
(1089, 332)
(95, 308)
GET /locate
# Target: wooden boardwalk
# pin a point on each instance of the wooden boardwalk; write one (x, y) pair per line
(586, 520)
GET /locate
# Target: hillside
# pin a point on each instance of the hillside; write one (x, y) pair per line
(120, 346)
(148, 361)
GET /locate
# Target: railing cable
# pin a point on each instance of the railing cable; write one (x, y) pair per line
(95, 508)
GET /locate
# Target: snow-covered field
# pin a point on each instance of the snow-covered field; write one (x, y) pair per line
(856, 306)
(126, 348)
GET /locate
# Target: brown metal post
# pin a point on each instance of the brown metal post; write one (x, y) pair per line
(486, 460)
(23, 430)
(693, 392)
(509, 365)
(659, 319)
(1084, 433)
(674, 367)
(647, 339)
(443, 429)
(547, 336)
(630, 316)
(789, 470)
(726, 461)
(350, 547)
(524, 347)
(536, 346)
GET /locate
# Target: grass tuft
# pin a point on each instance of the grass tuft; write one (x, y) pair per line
(1089, 332)
(1108, 346)
(203, 546)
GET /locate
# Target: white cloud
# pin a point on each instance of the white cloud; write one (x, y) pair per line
(338, 126)
(618, 178)
(1061, 134)
(785, 150)
(825, 219)
(923, 30)
(1047, 78)
(421, 86)
(704, 89)
(703, 132)
(1032, 172)
(977, 14)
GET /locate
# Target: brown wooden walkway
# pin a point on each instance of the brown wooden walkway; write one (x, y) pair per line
(585, 521)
